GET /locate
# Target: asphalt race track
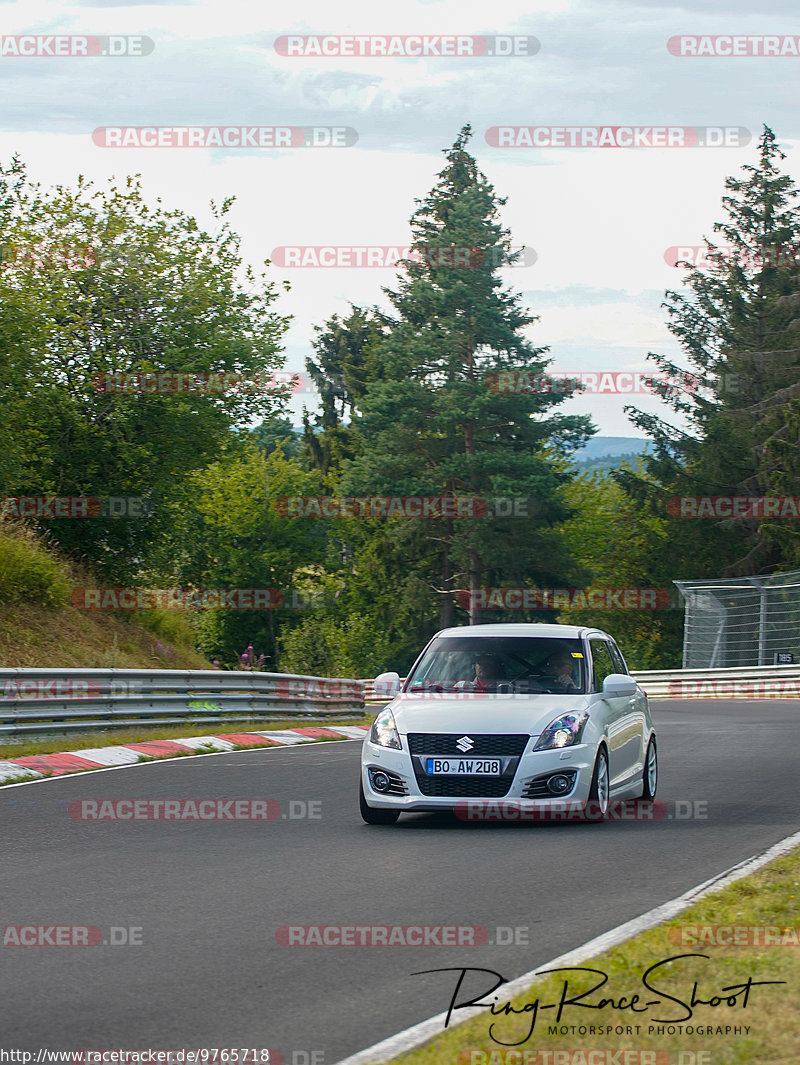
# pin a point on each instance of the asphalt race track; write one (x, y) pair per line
(210, 896)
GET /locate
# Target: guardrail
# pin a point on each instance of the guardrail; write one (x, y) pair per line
(38, 700)
(749, 682)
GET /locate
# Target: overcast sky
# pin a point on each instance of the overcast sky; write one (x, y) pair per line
(599, 219)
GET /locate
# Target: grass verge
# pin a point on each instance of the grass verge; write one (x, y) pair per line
(115, 737)
(39, 626)
(762, 908)
(35, 636)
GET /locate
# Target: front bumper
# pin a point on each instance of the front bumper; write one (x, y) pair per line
(576, 762)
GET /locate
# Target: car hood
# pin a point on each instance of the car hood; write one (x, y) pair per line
(481, 713)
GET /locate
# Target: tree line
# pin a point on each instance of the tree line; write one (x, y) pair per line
(97, 285)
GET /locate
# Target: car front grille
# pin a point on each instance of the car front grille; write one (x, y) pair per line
(462, 787)
(485, 745)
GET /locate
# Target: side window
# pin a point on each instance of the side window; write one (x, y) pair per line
(602, 664)
(616, 658)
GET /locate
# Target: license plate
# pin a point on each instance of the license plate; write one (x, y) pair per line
(453, 767)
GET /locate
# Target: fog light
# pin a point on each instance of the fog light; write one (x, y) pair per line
(380, 782)
(559, 784)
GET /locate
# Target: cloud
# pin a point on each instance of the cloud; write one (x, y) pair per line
(134, 3)
(739, 7)
(216, 67)
(599, 220)
(576, 295)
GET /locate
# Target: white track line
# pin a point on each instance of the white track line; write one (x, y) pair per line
(414, 1037)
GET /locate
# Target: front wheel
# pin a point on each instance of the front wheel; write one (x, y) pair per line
(372, 815)
(597, 806)
(650, 773)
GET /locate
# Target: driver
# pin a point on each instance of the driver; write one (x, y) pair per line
(486, 675)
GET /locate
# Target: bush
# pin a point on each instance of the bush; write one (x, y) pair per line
(323, 646)
(178, 627)
(29, 571)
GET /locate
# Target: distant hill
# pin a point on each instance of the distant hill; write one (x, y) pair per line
(603, 453)
(601, 446)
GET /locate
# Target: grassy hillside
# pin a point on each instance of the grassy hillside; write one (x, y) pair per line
(40, 627)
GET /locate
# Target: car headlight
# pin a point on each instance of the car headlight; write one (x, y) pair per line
(384, 730)
(564, 731)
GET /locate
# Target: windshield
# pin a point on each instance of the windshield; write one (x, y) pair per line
(512, 665)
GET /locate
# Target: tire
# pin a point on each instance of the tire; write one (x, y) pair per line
(650, 773)
(597, 806)
(371, 814)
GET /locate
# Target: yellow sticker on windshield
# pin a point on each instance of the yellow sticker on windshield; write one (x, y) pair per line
(577, 654)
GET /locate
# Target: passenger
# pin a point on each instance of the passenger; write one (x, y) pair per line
(556, 671)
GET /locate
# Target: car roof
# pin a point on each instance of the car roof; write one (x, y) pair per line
(532, 629)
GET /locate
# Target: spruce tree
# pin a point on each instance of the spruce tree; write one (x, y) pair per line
(346, 361)
(740, 403)
(437, 421)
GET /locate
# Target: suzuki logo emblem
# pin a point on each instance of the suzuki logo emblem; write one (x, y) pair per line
(465, 744)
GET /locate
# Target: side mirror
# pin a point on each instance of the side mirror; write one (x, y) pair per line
(386, 685)
(618, 685)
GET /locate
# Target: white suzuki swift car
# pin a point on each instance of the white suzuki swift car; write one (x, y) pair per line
(531, 714)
